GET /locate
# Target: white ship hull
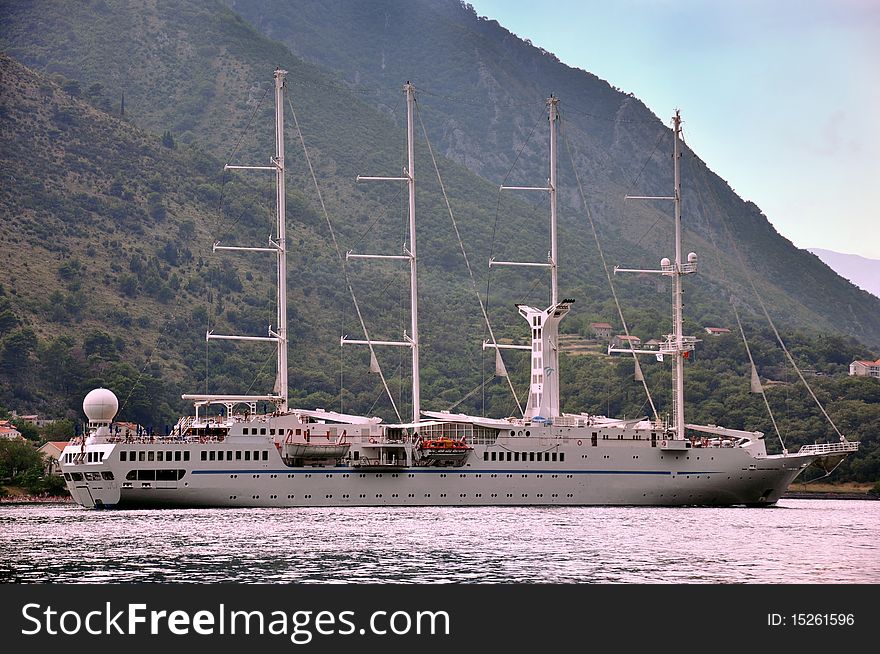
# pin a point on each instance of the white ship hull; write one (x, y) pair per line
(570, 471)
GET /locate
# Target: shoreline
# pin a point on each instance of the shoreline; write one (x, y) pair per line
(788, 495)
(36, 499)
(828, 495)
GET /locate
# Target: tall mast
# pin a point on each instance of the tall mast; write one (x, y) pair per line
(677, 327)
(409, 89)
(279, 247)
(544, 323)
(410, 340)
(551, 105)
(281, 243)
(676, 344)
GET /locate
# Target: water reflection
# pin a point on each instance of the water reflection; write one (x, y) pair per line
(799, 541)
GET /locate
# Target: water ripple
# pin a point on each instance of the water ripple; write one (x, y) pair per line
(799, 541)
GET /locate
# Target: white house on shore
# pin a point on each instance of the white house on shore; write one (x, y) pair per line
(9, 432)
(865, 368)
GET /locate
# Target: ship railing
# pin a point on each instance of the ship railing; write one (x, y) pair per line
(830, 448)
(169, 439)
(671, 345)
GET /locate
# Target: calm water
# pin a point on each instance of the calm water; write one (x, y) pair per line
(805, 541)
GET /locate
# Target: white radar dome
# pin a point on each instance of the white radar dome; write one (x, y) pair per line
(665, 261)
(692, 257)
(100, 405)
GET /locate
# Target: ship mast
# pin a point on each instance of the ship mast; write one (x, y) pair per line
(677, 326)
(676, 344)
(410, 340)
(544, 323)
(278, 246)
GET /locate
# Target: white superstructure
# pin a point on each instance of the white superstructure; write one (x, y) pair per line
(296, 457)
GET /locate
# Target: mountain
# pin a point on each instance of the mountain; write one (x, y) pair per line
(861, 271)
(116, 120)
(486, 87)
(191, 68)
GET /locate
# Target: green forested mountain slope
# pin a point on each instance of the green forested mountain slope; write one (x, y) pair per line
(485, 87)
(112, 281)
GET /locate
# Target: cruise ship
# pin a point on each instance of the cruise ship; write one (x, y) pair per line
(248, 455)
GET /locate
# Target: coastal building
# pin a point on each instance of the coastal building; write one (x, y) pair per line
(601, 329)
(9, 432)
(621, 340)
(34, 419)
(865, 368)
(51, 452)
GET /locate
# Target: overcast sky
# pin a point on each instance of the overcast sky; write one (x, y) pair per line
(779, 97)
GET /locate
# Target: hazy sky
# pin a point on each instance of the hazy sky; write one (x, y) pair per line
(779, 97)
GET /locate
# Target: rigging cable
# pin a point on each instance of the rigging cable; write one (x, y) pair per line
(464, 253)
(604, 264)
(725, 282)
(773, 325)
(341, 258)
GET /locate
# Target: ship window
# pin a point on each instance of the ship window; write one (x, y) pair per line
(299, 432)
(247, 455)
(263, 431)
(107, 475)
(122, 455)
(77, 476)
(553, 456)
(562, 456)
(212, 455)
(494, 455)
(168, 456)
(151, 456)
(159, 456)
(186, 455)
(516, 456)
(531, 456)
(181, 473)
(142, 456)
(271, 432)
(166, 475)
(238, 455)
(256, 455)
(146, 475)
(229, 455)
(265, 455)
(357, 455)
(485, 456)
(177, 455)
(67, 476)
(132, 474)
(594, 441)
(204, 455)
(509, 454)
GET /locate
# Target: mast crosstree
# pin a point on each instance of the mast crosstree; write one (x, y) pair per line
(410, 340)
(279, 247)
(676, 344)
(543, 399)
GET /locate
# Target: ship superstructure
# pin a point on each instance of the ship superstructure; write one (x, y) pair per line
(297, 457)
